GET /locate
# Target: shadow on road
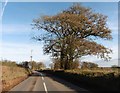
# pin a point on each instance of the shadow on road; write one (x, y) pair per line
(63, 82)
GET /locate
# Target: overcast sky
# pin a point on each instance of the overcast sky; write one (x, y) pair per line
(17, 31)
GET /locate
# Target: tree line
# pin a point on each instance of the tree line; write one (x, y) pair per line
(26, 64)
(75, 65)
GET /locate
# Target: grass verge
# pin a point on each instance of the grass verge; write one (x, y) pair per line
(12, 75)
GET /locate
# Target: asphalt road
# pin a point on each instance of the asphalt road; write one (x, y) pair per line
(46, 83)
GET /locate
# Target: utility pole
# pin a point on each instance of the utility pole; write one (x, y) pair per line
(31, 59)
(31, 55)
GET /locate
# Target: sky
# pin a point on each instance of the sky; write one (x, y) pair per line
(17, 30)
(62, 0)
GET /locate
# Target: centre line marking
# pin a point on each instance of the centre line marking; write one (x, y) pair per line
(45, 87)
(42, 78)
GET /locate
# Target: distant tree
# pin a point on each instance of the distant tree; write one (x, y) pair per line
(25, 64)
(84, 65)
(115, 66)
(40, 65)
(37, 65)
(93, 65)
(51, 65)
(89, 65)
(71, 34)
(34, 65)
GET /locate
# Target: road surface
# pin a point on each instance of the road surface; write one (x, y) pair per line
(46, 83)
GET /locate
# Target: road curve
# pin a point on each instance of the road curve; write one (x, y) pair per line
(44, 83)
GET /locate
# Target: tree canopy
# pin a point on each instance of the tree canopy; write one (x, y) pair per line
(72, 34)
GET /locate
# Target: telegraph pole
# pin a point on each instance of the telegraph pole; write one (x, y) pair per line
(31, 56)
(31, 59)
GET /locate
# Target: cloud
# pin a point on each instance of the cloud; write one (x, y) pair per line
(114, 27)
(115, 52)
(108, 64)
(16, 28)
(22, 52)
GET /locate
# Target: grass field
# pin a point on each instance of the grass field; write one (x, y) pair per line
(95, 80)
(96, 71)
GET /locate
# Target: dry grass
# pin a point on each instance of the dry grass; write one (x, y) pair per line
(11, 75)
(98, 71)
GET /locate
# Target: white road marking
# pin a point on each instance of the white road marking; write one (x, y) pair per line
(42, 78)
(44, 83)
(45, 87)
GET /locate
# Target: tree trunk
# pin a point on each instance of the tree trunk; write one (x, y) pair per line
(62, 60)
